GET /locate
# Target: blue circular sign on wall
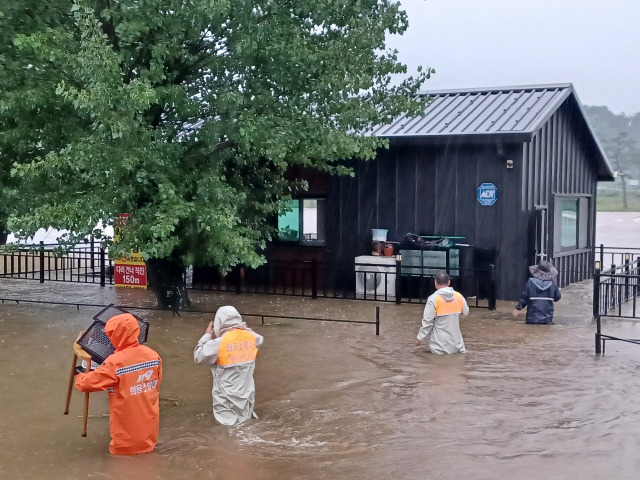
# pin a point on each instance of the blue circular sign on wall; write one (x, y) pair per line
(487, 194)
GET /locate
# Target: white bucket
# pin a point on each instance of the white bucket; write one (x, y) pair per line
(379, 234)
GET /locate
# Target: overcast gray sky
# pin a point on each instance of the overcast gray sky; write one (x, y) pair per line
(594, 44)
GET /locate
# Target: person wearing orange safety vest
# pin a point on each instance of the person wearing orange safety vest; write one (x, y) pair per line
(232, 358)
(132, 376)
(441, 319)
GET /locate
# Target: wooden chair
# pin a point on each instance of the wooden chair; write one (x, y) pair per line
(78, 353)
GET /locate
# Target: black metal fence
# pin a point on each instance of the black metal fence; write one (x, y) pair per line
(85, 263)
(394, 282)
(262, 316)
(616, 255)
(615, 291)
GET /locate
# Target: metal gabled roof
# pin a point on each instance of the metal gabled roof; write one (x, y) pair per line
(515, 113)
(508, 110)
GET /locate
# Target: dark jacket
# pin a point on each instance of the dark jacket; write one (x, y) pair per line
(538, 297)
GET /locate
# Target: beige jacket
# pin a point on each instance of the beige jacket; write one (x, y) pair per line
(233, 387)
(443, 330)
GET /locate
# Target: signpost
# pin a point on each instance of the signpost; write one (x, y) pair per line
(131, 271)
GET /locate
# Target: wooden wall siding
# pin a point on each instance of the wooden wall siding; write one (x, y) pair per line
(574, 268)
(407, 168)
(367, 218)
(425, 220)
(556, 161)
(432, 190)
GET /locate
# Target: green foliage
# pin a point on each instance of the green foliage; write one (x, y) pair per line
(619, 136)
(187, 115)
(288, 234)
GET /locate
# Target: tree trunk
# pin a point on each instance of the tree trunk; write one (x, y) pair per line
(3, 233)
(624, 192)
(166, 280)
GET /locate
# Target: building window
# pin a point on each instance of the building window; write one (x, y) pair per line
(571, 225)
(303, 222)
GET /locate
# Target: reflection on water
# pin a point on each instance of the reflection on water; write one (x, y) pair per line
(334, 400)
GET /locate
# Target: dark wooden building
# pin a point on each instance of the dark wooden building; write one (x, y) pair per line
(512, 170)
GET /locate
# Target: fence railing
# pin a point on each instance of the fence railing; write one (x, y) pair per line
(393, 282)
(616, 255)
(262, 316)
(85, 263)
(615, 294)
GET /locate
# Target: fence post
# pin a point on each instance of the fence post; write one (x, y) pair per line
(314, 278)
(41, 261)
(93, 265)
(627, 272)
(377, 319)
(448, 261)
(612, 301)
(602, 254)
(596, 290)
(398, 279)
(492, 287)
(103, 267)
(636, 273)
(596, 307)
(598, 336)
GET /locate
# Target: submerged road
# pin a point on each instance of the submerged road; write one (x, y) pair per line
(334, 400)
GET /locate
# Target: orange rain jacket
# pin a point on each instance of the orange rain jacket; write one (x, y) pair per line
(132, 376)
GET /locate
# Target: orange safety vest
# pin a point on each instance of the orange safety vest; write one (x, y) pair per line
(446, 308)
(236, 348)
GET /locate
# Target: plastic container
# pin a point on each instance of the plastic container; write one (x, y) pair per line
(379, 234)
(95, 341)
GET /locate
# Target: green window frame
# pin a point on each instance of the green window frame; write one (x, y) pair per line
(303, 222)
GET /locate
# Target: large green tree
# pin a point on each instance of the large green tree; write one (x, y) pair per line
(28, 107)
(187, 115)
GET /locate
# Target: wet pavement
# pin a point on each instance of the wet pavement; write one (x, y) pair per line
(334, 400)
(618, 229)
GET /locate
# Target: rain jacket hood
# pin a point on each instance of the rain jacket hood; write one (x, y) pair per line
(123, 331)
(446, 293)
(227, 318)
(542, 284)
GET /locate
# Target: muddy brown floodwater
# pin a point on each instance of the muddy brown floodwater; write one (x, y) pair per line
(334, 400)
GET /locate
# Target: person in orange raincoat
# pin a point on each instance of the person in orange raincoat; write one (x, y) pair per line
(132, 376)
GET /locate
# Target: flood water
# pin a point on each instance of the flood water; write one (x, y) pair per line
(334, 400)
